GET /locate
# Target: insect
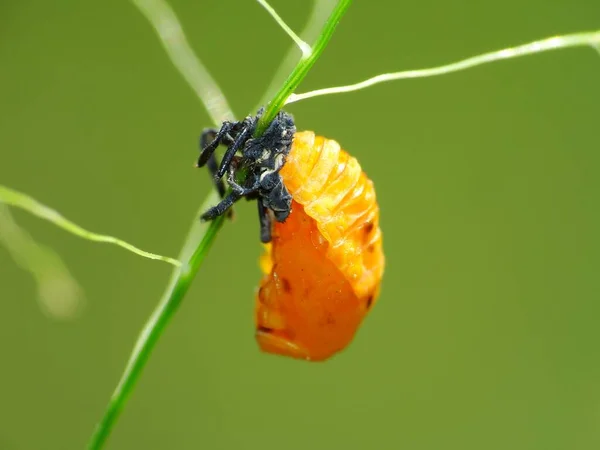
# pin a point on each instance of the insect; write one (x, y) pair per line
(319, 221)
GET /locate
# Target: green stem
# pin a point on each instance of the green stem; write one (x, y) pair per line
(302, 68)
(152, 331)
(206, 234)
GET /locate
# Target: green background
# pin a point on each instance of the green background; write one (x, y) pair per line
(486, 333)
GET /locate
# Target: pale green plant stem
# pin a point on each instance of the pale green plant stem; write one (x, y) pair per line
(590, 39)
(164, 21)
(17, 199)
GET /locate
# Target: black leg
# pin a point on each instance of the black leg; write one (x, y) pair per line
(234, 135)
(210, 134)
(222, 207)
(242, 191)
(208, 149)
(239, 142)
(206, 136)
(265, 222)
(212, 169)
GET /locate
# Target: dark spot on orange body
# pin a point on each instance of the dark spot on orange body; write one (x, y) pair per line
(287, 287)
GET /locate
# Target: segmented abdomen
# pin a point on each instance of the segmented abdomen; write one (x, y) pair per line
(336, 193)
(324, 264)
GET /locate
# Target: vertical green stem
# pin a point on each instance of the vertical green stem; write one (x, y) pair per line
(183, 276)
(152, 331)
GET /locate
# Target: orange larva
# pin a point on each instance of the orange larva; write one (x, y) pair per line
(319, 216)
(324, 266)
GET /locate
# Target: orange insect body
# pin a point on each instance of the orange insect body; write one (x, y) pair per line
(324, 265)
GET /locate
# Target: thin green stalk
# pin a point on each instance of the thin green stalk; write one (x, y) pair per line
(180, 282)
(591, 39)
(302, 68)
(183, 276)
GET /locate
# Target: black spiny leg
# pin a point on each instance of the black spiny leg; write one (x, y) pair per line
(222, 207)
(212, 169)
(238, 144)
(242, 191)
(210, 134)
(219, 136)
(237, 193)
(265, 222)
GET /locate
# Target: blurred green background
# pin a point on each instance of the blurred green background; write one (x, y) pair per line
(486, 333)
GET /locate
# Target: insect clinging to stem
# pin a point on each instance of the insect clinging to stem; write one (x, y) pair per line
(261, 160)
(319, 222)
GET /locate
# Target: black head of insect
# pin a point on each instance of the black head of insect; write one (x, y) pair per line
(254, 173)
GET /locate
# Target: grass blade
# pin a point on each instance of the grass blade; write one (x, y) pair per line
(164, 21)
